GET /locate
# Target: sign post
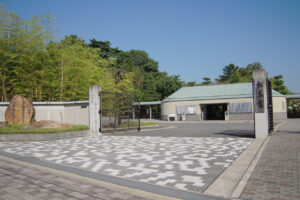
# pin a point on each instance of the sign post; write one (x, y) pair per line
(260, 104)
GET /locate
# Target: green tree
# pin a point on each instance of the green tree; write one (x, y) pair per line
(278, 84)
(166, 85)
(149, 89)
(104, 49)
(206, 81)
(10, 26)
(228, 71)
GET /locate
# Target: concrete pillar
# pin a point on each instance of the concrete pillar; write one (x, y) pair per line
(260, 104)
(94, 108)
(133, 112)
(150, 112)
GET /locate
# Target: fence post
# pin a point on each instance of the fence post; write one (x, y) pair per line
(94, 108)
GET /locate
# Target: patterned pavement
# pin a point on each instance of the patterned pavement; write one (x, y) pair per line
(183, 163)
(19, 182)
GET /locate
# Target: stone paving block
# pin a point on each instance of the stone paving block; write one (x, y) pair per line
(277, 174)
(20, 184)
(192, 162)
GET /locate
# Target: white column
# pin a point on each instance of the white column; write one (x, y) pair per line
(150, 112)
(260, 104)
(94, 107)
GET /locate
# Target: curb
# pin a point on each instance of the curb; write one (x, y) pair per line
(42, 137)
(225, 185)
(240, 187)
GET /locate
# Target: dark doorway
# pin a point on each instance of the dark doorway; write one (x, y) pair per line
(216, 111)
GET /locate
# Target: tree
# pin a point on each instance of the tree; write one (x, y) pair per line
(136, 60)
(104, 49)
(191, 84)
(254, 66)
(278, 84)
(9, 35)
(206, 81)
(228, 71)
(149, 89)
(166, 85)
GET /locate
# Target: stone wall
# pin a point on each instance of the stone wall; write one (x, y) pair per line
(75, 112)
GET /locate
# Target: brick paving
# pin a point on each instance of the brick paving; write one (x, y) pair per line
(185, 163)
(277, 174)
(20, 182)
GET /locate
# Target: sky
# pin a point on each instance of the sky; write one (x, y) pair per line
(190, 38)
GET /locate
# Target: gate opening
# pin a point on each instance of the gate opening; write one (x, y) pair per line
(213, 111)
(117, 112)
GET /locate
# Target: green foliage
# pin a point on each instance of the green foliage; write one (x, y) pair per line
(34, 66)
(235, 74)
(131, 124)
(206, 81)
(278, 85)
(17, 129)
(104, 49)
(228, 71)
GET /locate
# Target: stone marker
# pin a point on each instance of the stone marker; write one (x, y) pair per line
(46, 124)
(19, 111)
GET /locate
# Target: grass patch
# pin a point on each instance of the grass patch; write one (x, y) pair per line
(13, 129)
(131, 124)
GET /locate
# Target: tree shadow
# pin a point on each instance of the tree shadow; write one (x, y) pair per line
(238, 133)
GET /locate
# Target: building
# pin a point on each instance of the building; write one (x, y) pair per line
(217, 102)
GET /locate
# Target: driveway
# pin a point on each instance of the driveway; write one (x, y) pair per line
(185, 163)
(193, 129)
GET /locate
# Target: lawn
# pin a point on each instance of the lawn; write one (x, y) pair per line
(13, 129)
(131, 124)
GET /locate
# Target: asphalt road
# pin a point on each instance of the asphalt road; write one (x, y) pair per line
(192, 129)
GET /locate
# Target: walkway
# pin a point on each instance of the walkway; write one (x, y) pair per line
(182, 163)
(19, 182)
(277, 174)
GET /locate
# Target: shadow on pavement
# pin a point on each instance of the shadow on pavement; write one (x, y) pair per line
(238, 133)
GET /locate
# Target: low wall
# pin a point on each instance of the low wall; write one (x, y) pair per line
(42, 136)
(240, 116)
(74, 112)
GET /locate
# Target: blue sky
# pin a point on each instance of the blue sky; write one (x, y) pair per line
(194, 39)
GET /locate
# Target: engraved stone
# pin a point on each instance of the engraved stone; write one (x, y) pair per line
(19, 111)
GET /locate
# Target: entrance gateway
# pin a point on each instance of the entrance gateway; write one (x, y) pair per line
(262, 102)
(117, 111)
(216, 111)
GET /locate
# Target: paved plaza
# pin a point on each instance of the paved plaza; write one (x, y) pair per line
(19, 182)
(182, 163)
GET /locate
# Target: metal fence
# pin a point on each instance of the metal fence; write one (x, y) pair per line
(117, 112)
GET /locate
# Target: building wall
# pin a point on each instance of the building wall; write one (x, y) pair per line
(76, 112)
(279, 108)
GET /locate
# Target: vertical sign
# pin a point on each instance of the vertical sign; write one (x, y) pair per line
(260, 104)
(259, 94)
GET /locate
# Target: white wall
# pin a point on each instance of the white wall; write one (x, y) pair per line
(75, 112)
(279, 104)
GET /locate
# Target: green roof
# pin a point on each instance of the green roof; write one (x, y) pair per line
(293, 96)
(148, 103)
(225, 91)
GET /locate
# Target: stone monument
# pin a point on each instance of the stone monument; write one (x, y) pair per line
(19, 111)
(260, 104)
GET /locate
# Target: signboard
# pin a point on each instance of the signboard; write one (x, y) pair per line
(259, 94)
(185, 109)
(241, 107)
